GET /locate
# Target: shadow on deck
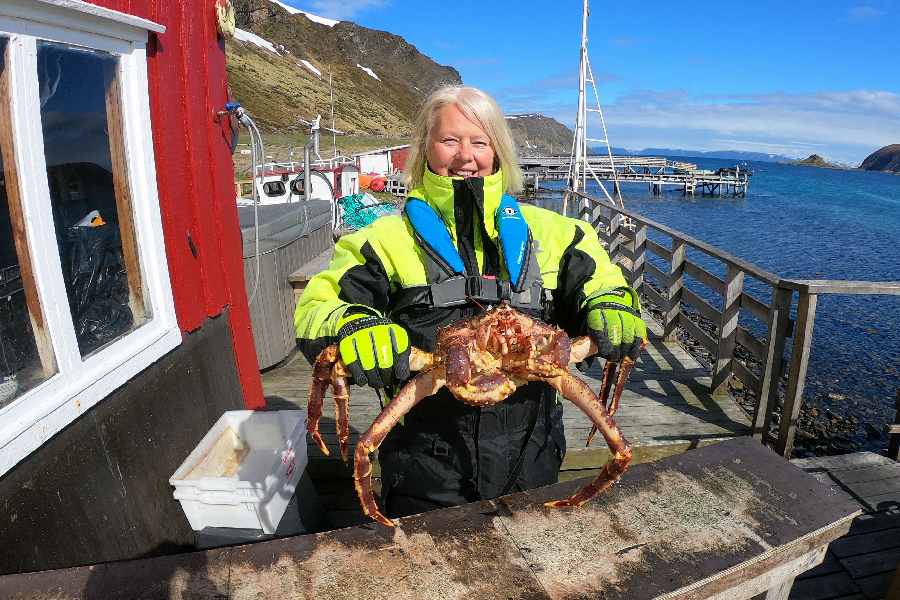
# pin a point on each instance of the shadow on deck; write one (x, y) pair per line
(666, 409)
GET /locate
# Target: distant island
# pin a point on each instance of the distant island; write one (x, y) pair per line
(883, 159)
(814, 160)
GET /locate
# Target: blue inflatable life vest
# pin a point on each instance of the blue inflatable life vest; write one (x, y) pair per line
(524, 287)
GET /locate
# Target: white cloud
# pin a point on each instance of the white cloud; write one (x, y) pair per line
(842, 125)
(862, 12)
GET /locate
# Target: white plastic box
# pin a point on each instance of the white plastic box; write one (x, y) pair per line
(244, 471)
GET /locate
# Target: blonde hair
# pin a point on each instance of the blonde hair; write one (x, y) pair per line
(479, 108)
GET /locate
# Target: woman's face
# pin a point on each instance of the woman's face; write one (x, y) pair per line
(457, 147)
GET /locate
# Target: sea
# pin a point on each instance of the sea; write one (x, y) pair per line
(805, 222)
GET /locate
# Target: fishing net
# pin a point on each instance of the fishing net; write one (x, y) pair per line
(359, 210)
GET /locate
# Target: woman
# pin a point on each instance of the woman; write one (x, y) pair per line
(391, 285)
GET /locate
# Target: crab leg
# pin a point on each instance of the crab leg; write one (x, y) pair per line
(578, 392)
(609, 373)
(422, 385)
(341, 407)
(321, 378)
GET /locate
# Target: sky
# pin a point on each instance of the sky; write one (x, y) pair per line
(791, 77)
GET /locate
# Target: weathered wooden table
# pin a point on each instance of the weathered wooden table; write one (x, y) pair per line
(731, 520)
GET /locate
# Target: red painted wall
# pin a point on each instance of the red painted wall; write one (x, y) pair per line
(398, 158)
(195, 173)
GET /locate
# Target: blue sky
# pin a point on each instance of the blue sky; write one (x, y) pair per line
(789, 77)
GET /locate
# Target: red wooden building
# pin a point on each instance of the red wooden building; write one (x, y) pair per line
(124, 325)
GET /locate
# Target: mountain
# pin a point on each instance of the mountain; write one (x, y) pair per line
(883, 159)
(726, 154)
(536, 134)
(814, 160)
(280, 60)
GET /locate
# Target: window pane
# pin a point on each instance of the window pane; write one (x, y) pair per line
(84, 149)
(21, 366)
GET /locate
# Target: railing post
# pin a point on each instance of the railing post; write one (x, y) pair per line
(793, 400)
(584, 209)
(778, 330)
(734, 285)
(639, 251)
(615, 240)
(894, 433)
(676, 285)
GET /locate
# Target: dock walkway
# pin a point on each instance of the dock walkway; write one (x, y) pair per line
(863, 563)
(666, 408)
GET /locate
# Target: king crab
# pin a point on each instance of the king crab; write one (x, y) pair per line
(481, 361)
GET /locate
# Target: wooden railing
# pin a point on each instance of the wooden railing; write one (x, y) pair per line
(625, 235)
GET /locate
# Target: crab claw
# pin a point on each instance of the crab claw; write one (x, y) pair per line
(609, 373)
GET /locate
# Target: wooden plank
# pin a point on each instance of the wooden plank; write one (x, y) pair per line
(705, 277)
(728, 326)
(661, 278)
(775, 583)
(124, 209)
(826, 587)
(872, 563)
(882, 502)
(703, 307)
(894, 440)
(893, 592)
(698, 334)
(867, 474)
(304, 273)
(856, 545)
(655, 514)
(778, 325)
(840, 462)
(42, 341)
(827, 286)
(675, 289)
(659, 250)
(758, 309)
(878, 487)
(753, 345)
(869, 523)
(639, 261)
(655, 297)
(876, 586)
(746, 376)
(806, 318)
(828, 566)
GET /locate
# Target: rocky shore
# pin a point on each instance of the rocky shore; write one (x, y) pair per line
(822, 428)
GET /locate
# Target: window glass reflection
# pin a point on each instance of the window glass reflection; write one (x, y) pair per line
(80, 119)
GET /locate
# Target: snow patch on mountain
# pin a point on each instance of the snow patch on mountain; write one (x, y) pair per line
(369, 71)
(312, 68)
(314, 18)
(246, 36)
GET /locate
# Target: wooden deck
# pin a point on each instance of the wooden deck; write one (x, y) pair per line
(862, 563)
(666, 409)
(712, 523)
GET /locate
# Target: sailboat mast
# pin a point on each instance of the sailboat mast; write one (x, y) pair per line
(333, 128)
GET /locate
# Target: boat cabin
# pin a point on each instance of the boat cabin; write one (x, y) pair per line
(382, 161)
(280, 186)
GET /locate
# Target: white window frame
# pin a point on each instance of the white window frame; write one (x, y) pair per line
(80, 383)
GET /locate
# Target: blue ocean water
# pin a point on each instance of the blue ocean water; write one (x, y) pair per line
(810, 223)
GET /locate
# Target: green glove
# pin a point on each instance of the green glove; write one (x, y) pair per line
(375, 350)
(614, 323)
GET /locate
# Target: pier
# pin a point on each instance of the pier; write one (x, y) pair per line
(657, 172)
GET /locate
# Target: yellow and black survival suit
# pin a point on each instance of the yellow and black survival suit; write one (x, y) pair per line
(459, 240)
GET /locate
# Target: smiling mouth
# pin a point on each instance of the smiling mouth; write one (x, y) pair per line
(462, 173)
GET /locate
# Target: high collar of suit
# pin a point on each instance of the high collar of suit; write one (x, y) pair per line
(482, 193)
